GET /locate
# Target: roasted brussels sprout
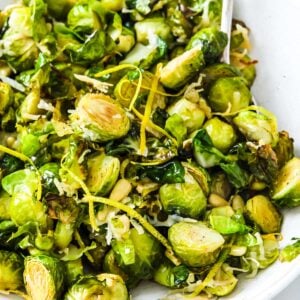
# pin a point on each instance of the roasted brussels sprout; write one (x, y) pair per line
(191, 114)
(185, 199)
(221, 133)
(82, 19)
(171, 276)
(148, 27)
(211, 41)
(103, 286)
(287, 186)
(145, 56)
(46, 273)
(137, 255)
(178, 71)
(261, 210)
(99, 119)
(11, 271)
(23, 206)
(103, 172)
(257, 127)
(229, 93)
(194, 243)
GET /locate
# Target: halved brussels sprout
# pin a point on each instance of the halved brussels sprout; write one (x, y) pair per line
(194, 243)
(148, 27)
(261, 210)
(287, 186)
(19, 48)
(99, 119)
(103, 173)
(230, 93)
(82, 19)
(171, 276)
(145, 56)
(103, 286)
(257, 127)
(11, 271)
(211, 41)
(221, 133)
(185, 199)
(43, 277)
(178, 71)
(23, 206)
(137, 256)
(191, 113)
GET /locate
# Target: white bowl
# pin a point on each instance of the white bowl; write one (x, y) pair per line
(275, 37)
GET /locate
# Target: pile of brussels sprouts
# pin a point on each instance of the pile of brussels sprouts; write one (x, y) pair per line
(129, 152)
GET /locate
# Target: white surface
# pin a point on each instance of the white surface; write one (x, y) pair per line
(275, 26)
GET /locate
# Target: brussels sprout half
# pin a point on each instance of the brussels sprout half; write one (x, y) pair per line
(191, 114)
(99, 119)
(230, 93)
(103, 173)
(194, 243)
(261, 210)
(287, 186)
(221, 133)
(185, 199)
(104, 287)
(43, 277)
(182, 68)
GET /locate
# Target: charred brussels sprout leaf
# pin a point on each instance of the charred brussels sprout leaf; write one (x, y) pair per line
(99, 119)
(46, 273)
(195, 243)
(11, 271)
